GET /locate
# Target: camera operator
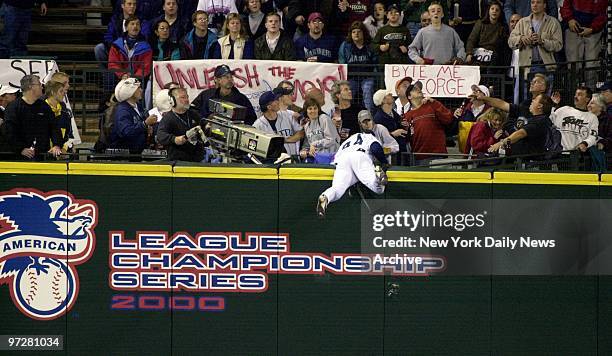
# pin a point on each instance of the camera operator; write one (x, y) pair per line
(179, 129)
(226, 91)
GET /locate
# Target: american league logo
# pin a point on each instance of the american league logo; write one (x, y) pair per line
(43, 237)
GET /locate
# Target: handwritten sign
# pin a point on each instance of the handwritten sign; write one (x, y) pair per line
(251, 77)
(443, 81)
(12, 70)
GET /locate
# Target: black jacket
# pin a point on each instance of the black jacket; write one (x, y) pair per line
(172, 126)
(26, 123)
(284, 50)
(201, 103)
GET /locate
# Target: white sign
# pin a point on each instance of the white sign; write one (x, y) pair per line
(12, 70)
(442, 81)
(251, 77)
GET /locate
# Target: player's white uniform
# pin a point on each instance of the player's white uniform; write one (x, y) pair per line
(354, 164)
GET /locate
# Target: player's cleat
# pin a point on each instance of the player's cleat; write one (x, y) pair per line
(381, 175)
(321, 206)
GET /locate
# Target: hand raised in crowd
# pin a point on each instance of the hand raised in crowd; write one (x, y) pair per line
(456, 21)
(399, 133)
(498, 134)
(28, 153)
(151, 120)
(384, 47)
(582, 147)
(458, 112)
(337, 119)
(479, 96)
(343, 5)
(56, 151)
(180, 140)
(43, 9)
(556, 97)
(300, 20)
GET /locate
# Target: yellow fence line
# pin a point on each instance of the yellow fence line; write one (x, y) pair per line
(298, 173)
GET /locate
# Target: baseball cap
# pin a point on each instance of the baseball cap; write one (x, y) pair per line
(378, 97)
(482, 88)
(394, 6)
(7, 89)
(266, 98)
(163, 102)
(126, 88)
(399, 82)
(364, 115)
(417, 84)
(605, 86)
(314, 16)
(222, 70)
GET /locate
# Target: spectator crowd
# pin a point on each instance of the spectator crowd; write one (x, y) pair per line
(360, 33)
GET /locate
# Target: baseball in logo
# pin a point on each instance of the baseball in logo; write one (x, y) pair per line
(43, 237)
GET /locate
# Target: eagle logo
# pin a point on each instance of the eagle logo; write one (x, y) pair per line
(43, 237)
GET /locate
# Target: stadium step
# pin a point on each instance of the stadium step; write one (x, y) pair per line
(50, 48)
(53, 28)
(63, 11)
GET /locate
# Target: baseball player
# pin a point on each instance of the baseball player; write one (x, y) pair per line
(355, 163)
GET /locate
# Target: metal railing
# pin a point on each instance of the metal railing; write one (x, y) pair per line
(90, 86)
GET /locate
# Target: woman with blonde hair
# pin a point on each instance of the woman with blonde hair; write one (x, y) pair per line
(55, 92)
(486, 132)
(235, 44)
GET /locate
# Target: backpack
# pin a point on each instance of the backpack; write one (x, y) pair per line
(106, 127)
(552, 143)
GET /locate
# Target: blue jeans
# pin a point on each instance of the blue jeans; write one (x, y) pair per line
(17, 26)
(367, 91)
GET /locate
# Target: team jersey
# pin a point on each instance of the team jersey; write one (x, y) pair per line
(359, 142)
(285, 126)
(576, 126)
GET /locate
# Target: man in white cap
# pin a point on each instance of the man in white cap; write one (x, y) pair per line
(474, 108)
(131, 125)
(7, 95)
(354, 163)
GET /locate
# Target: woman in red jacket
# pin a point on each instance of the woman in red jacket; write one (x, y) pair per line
(131, 55)
(486, 132)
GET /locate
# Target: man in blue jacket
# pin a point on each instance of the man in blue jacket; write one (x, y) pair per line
(131, 126)
(197, 42)
(316, 46)
(17, 24)
(116, 28)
